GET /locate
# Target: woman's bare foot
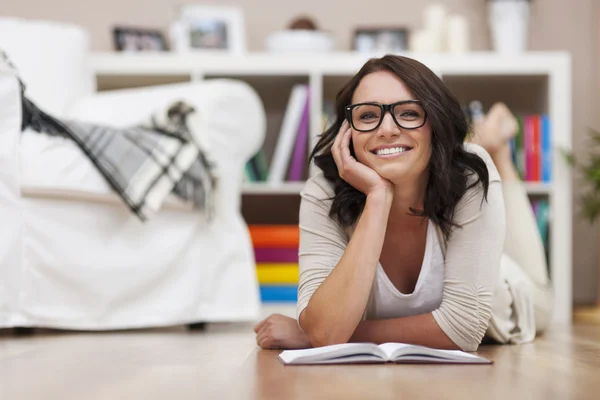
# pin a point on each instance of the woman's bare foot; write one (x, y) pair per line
(494, 132)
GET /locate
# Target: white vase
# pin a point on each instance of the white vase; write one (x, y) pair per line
(509, 25)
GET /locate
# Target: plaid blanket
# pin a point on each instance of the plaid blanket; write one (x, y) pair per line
(143, 164)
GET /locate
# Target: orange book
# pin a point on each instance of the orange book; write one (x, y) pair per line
(275, 236)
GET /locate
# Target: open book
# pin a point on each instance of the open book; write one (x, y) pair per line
(348, 353)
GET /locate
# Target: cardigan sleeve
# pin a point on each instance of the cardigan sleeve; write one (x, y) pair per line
(472, 262)
(323, 241)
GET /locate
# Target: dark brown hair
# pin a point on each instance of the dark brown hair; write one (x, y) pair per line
(449, 166)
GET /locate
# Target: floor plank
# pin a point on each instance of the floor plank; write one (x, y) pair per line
(564, 364)
(223, 362)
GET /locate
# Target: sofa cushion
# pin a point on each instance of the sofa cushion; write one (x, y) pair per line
(51, 59)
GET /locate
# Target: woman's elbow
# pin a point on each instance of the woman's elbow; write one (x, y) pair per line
(324, 340)
(464, 331)
(472, 346)
(319, 334)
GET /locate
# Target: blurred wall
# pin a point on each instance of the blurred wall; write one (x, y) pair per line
(555, 25)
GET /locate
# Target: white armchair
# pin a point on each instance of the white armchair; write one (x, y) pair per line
(72, 256)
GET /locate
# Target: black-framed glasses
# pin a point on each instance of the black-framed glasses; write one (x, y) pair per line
(366, 117)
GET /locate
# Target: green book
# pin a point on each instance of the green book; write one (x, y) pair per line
(260, 163)
(519, 151)
(249, 174)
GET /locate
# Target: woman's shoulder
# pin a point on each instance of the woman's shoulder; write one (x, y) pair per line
(317, 197)
(485, 156)
(318, 187)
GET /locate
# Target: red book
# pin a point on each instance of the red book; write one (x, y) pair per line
(536, 145)
(528, 146)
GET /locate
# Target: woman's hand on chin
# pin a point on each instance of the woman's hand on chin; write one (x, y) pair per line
(351, 170)
(280, 332)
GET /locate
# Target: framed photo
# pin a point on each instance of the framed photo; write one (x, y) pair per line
(138, 39)
(209, 29)
(381, 40)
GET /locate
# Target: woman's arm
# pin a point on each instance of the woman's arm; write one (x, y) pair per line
(338, 303)
(472, 268)
(419, 329)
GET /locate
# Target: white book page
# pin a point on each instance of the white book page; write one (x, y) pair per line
(390, 348)
(401, 351)
(354, 359)
(428, 359)
(331, 353)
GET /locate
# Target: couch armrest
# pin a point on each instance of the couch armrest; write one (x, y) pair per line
(10, 130)
(11, 239)
(231, 111)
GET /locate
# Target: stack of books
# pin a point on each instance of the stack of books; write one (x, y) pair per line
(289, 161)
(532, 148)
(276, 254)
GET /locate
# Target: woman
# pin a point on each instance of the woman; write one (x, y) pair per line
(402, 234)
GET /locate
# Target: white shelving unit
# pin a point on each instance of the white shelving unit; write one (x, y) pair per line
(538, 82)
(268, 188)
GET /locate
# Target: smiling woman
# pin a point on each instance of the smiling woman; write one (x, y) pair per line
(379, 82)
(402, 234)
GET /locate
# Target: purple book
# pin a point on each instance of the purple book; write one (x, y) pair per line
(297, 166)
(275, 255)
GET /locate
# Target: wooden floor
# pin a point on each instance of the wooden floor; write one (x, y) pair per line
(223, 363)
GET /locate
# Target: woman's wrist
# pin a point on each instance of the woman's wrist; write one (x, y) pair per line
(382, 197)
(504, 164)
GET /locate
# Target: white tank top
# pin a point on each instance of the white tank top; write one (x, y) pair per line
(387, 301)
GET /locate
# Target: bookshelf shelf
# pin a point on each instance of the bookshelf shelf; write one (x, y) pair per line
(340, 63)
(269, 188)
(529, 83)
(533, 188)
(538, 188)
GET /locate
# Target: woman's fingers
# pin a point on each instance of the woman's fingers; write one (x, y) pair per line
(264, 341)
(259, 325)
(263, 329)
(335, 147)
(345, 147)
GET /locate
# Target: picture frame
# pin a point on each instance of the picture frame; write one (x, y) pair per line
(134, 39)
(380, 40)
(210, 29)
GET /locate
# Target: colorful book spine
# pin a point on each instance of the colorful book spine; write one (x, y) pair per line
(546, 159)
(300, 152)
(276, 255)
(541, 210)
(275, 236)
(277, 273)
(520, 152)
(527, 145)
(536, 149)
(532, 148)
(278, 294)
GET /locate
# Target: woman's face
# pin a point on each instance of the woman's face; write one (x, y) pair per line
(378, 149)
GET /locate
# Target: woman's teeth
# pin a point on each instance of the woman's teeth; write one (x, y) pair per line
(393, 150)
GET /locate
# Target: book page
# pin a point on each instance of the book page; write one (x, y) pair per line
(336, 351)
(406, 352)
(390, 348)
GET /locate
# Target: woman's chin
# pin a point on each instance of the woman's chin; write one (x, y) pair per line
(392, 173)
